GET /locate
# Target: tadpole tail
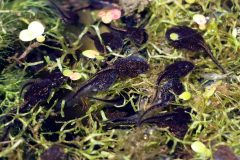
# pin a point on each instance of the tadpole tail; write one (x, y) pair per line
(108, 101)
(154, 106)
(160, 78)
(209, 52)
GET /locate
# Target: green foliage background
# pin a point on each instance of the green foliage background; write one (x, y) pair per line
(217, 121)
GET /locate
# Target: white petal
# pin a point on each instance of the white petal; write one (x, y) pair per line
(199, 19)
(36, 28)
(26, 35)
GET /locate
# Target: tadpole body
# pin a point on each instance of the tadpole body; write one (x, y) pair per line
(183, 37)
(137, 35)
(101, 81)
(175, 70)
(131, 66)
(114, 40)
(40, 90)
(167, 91)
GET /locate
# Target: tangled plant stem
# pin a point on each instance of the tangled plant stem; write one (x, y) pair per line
(215, 115)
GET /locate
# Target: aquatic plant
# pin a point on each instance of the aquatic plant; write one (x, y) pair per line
(93, 111)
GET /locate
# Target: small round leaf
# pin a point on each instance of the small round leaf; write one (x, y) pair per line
(198, 147)
(67, 72)
(26, 35)
(90, 53)
(36, 28)
(75, 76)
(185, 95)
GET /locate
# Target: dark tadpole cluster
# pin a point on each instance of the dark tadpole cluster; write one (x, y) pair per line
(72, 103)
(183, 37)
(178, 119)
(172, 86)
(37, 92)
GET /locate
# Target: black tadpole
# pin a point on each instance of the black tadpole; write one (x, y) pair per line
(174, 71)
(183, 37)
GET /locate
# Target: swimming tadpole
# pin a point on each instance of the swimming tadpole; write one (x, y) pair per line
(183, 37)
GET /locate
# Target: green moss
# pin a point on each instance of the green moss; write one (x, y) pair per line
(215, 118)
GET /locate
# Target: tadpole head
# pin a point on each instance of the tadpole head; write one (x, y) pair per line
(57, 78)
(138, 35)
(131, 66)
(184, 37)
(179, 69)
(113, 40)
(38, 92)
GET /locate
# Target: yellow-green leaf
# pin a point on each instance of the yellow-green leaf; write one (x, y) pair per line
(90, 53)
(185, 95)
(67, 72)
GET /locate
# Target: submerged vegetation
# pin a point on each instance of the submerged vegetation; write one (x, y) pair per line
(121, 79)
